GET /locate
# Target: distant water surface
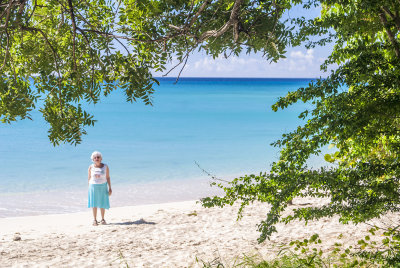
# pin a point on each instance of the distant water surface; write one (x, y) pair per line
(224, 124)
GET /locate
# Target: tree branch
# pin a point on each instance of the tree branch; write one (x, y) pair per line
(201, 9)
(20, 10)
(33, 11)
(233, 19)
(179, 63)
(7, 52)
(395, 18)
(187, 57)
(7, 10)
(184, 59)
(71, 11)
(390, 34)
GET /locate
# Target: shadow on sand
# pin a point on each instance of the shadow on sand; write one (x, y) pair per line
(138, 222)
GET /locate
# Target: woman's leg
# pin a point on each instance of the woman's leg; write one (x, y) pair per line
(94, 213)
(103, 211)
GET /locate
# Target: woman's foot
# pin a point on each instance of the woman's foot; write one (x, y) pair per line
(95, 223)
(103, 222)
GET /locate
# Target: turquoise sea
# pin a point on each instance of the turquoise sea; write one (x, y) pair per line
(226, 125)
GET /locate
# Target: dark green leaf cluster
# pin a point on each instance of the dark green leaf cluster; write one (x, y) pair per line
(67, 53)
(356, 110)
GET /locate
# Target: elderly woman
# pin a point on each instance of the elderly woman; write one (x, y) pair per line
(98, 179)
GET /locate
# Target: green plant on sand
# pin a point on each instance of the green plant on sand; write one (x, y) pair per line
(378, 249)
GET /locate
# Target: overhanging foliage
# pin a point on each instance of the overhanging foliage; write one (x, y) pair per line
(75, 52)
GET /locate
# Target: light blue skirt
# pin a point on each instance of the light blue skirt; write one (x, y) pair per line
(98, 196)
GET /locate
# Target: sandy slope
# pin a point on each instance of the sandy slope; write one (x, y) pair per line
(163, 235)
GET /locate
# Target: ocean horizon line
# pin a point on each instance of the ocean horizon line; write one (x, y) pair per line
(227, 77)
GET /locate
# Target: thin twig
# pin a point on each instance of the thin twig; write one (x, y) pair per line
(180, 62)
(33, 11)
(210, 175)
(179, 75)
(190, 11)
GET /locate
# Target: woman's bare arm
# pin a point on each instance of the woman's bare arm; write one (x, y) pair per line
(108, 180)
(89, 174)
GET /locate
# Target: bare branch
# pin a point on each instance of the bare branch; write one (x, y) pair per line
(183, 67)
(208, 173)
(179, 63)
(184, 59)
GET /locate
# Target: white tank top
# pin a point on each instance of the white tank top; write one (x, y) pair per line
(98, 175)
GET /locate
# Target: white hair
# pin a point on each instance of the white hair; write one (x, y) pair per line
(95, 153)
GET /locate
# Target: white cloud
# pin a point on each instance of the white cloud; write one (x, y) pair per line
(222, 65)
(299, 55)
(299, 63)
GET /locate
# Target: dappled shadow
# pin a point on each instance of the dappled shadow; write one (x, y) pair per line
(138, 222)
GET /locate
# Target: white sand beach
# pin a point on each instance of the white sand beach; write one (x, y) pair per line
(161, 235)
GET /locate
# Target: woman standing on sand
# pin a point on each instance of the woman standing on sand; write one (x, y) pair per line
(98, 179)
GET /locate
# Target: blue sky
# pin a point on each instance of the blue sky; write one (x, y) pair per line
(300, 62)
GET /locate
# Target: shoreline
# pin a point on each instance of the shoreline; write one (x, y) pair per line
(83, 218)
(159, 235)
(73, 200)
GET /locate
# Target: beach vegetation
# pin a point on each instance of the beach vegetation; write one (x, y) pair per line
(354, 112)
(379, 248)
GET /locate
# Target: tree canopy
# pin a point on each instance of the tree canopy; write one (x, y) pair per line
(58, 54)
